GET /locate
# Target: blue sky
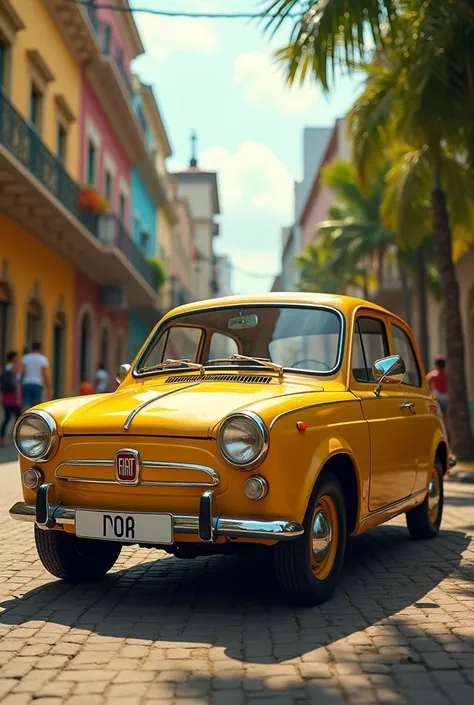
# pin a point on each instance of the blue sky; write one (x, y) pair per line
(219, 77)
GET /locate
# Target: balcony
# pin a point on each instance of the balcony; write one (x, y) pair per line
(38, 193)
(110, 48)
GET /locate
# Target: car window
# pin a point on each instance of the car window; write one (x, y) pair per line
(404, 348)
(176, 343)
(222, 346)
(370, 344)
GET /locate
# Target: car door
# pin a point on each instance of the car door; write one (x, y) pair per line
(392, 461)
(420, 423)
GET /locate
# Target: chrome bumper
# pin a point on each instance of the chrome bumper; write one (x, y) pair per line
(205, 525)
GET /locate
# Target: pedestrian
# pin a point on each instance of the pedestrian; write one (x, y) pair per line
(438, 382)
(10, 388)
(101, 379)
(35, 377)
(85, 387)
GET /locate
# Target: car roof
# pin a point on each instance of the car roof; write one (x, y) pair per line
(346, 304)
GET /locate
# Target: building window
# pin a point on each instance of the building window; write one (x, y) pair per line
(108, 186)
(61, 142)
(36, 106)
(3, 53)
(34, 323)
(122, 207)
(144, 240)
(91, 160)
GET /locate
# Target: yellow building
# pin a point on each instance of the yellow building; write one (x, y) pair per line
(40, 92)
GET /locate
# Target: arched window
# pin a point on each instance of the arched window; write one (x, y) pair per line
(34, 323)
(104, 347)
(85, 346)
(59, 325)
(5, 322)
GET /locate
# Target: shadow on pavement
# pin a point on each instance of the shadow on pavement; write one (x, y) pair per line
(233, 603)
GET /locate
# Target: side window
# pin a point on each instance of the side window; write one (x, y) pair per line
(370, 344)
(222, 346)
(404, 348)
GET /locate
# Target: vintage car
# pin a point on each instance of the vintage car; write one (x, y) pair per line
(288, 420)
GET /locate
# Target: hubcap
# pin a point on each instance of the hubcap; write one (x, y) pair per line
(322, 536)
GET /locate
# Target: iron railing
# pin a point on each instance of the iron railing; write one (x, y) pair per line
(113, 232)
(24, 143)
(22, 140)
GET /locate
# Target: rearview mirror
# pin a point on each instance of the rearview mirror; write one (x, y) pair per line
(388, 370)
(122, 372)
(249, 320)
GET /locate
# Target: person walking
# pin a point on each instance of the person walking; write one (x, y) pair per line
(11, 395)
(101, 379)
(35, 377)
(438, 383)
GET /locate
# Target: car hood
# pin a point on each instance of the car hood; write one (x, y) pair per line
(186, 410)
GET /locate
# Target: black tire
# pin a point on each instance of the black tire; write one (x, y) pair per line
(293, 559)
(421, 521)
(71, 558)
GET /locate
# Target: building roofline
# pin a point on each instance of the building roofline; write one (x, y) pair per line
(152, 102)
(317, 177)
(129, 23)
(206, 176)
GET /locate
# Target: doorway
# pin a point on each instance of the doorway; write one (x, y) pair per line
(58, 354)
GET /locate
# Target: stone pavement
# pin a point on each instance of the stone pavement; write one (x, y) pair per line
(212, 631)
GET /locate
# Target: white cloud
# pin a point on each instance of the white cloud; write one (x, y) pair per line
(164, 35)
(263, 83)
(251, 178)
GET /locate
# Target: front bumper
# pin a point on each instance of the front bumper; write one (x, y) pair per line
(204, 525)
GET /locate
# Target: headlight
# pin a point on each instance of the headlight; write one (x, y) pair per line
(35, 435)
(243, 440)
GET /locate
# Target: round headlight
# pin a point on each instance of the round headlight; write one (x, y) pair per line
(243, 440)
(35, 435)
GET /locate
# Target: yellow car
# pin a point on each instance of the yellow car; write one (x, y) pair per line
(286, 420)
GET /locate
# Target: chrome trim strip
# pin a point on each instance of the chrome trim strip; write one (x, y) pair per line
(132, 414)
(276, 529)
(212, 474)
(311, 406)
(261, 304)
(394, 505)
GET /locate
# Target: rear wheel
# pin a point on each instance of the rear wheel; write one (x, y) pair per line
(423, 522)
(308, 567)
(69, 557)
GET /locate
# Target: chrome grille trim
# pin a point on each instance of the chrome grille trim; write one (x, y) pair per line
(213, 476)
(246, 379)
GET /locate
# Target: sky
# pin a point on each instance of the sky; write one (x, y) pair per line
(219, 77)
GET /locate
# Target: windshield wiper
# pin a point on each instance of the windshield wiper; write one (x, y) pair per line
(245, 358)
(176, 363)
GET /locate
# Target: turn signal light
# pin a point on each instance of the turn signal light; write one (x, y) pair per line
(33, 478)
(256, 487)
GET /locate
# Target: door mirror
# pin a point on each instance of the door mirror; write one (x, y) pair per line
(122, 372)
(388, 370)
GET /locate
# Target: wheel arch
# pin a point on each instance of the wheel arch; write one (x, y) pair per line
(344, 467)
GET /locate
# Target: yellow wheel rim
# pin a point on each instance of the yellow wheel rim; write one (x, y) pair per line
(433, 495)
(324, 537)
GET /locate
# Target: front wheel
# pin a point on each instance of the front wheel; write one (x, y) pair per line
(423, 522)
(308, 567)
(69, 557)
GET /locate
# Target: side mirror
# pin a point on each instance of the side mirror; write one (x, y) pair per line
(388, 370)
(122, 372)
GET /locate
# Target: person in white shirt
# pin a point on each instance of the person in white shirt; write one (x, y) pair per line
(35, 377)
(101, 380)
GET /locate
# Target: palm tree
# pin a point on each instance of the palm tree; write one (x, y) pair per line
(323, 269)
(420, 90)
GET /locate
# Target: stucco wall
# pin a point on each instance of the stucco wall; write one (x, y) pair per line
(27, 267)
(109, 149)
(42, 35)
(143, 214)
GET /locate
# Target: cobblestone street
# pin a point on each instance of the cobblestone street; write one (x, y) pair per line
(159, 630)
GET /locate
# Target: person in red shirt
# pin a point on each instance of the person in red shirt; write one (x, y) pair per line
(438, 384)
(86, 387)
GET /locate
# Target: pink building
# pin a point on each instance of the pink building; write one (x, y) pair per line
(182, 253)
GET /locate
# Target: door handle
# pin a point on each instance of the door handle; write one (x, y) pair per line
(407, 405)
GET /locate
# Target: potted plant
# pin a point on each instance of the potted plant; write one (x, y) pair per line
(91, 200)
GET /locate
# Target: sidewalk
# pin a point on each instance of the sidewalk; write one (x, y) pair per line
(8, 454)
(463, 472)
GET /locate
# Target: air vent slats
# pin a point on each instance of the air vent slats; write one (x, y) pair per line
(246, 379)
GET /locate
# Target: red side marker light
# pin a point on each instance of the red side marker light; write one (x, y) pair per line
(301, 426)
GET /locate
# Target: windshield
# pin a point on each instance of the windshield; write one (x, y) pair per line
(303, 338)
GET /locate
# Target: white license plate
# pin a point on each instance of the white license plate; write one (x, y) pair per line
(118, 526)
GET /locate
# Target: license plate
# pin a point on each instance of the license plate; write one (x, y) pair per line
(118, 526)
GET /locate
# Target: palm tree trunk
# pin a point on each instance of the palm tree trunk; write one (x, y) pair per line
(461, 434)
(406, 293)
(422, 305)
